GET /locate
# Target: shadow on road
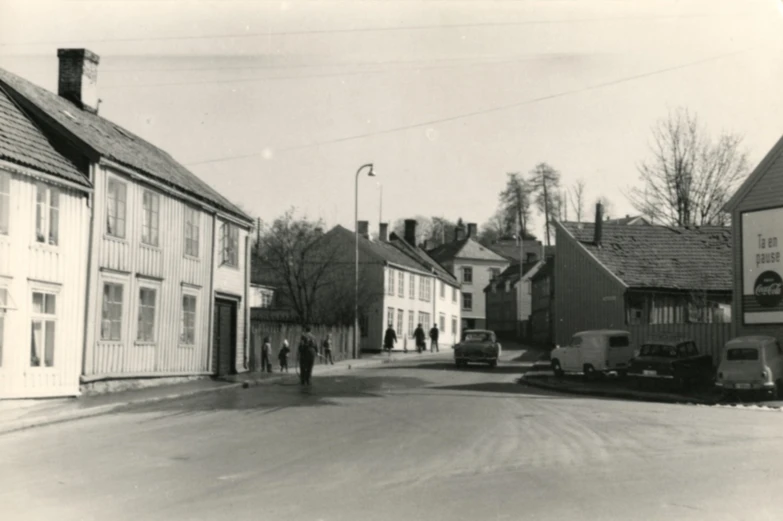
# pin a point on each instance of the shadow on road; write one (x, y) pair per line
(502, 368)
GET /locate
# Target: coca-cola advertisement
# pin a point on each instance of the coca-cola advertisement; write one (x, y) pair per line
(768, 289)
(762, 266)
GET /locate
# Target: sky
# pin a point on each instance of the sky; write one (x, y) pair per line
(278, 103)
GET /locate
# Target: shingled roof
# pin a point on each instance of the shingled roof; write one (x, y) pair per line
(23, 143)
(661, 257)
(114, 142)
(511, 274)
(424, 258)
(464, 249)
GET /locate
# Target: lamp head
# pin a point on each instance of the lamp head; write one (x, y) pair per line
(371, 173)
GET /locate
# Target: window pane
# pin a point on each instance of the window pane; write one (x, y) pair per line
(39, 219)
(54, 226)
(38, 302)
(49, 304)
(49, 349)
(35, 344)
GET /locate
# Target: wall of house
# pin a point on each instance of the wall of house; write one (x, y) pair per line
(541, 315)
(481, 278)
(27, 266)
(449, 308)
(501, 309)
(766, 194)
(586, 295)
(166, 269)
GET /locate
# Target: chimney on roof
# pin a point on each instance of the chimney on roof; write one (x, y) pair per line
(472, 230)
(459, 231)
(383, 232)
(599, 224)
(364, 229)
(78, 78)
(410, 231)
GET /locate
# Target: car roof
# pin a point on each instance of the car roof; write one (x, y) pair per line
(670, 339)
(478, 331)
(595, 332)
(751, 339)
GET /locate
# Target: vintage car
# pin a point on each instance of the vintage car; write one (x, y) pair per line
(595, 352)
(478, 346)
(751, 364)
(671, 358)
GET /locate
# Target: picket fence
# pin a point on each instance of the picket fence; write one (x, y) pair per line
(709, 337)
(277, 331)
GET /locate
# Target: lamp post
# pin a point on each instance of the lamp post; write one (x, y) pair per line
(370, 173)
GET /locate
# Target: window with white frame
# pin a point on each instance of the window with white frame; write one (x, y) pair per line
(442, 322)
(116, 199)
(3, 304)
(467, 301)
(424, 289)
(111, 311)
(150, 220)
(453, 325)
(412, 286)
(47, 214)
(390, 283)
(400, 316)
(267, 298)
(145, 331)
(494, 273)
(187, 332)
(43, 328)
(390, 317)
(467, 275)
(442, 289)
(411, 325)
(192, 231)
(5, 202)
(424, 320)
(401, 284)
(229, 242)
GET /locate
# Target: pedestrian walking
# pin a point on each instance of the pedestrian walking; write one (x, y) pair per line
(308, 350)
(434, 339)
(282, 356)
(419, 335)
(266, 356)
(389, 339)
(327, 345)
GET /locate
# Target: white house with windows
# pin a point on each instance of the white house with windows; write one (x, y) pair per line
(44, 219)
(164, 273)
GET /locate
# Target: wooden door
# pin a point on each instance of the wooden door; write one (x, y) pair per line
(225, 341)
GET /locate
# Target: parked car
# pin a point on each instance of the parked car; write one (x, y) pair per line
(594, 352)
(752, 363)
(674, 359)
(477, 346)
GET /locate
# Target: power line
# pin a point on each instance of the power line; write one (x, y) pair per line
(484, 111)
(364, 30)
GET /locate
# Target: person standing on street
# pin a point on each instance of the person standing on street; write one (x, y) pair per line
(308, 350)
(328, 349)
(434, 339)
(266, 355)
(389, 339)
(283, 356)
(420, 339)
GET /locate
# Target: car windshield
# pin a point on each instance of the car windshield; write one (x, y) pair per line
(476, 337)
(658, 350)
(742, 353)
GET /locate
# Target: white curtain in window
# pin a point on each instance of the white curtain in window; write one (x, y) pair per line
(36, 344)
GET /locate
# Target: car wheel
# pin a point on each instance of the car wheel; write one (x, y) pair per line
(557, 369)
(493, 364)
(589, 372)
(622, 375)
(779, 389)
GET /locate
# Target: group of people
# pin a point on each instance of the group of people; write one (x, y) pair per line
(390, 338)
(307, 352)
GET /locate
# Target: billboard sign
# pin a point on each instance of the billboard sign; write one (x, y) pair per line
(762, 267)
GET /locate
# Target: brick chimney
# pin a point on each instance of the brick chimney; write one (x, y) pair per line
(364, 229)
(78, 78)
(459, 232)
(383, 232)
(410, 231)
(599, 224)
(472, 230)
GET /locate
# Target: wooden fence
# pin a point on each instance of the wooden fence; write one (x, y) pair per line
(277, 331)
(709, 338)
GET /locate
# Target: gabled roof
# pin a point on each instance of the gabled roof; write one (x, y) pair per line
(23, 143)
(373, 251)
(423, 258)
(630, 220)
(105, 139)
(510, 248)
(544, 271)
(464, 249)
(755, 176)
(661, 257)
(511, 274)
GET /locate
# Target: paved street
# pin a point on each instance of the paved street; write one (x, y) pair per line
(408, 440)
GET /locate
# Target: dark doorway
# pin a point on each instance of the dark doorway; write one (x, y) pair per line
(468, 323)
(224, 351)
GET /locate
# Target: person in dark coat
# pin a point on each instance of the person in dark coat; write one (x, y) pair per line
(389, 339)
(308, 350)
(283, 356)
(266, 356)
(327, 344)
(434, 339)
(420, 339)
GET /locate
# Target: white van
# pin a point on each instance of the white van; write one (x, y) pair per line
(594, 352)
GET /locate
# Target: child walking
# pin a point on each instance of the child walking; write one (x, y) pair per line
(283, 356)
(266, 355)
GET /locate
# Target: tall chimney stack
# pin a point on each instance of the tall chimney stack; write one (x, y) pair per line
(472, 230)
(78, 78)
(364, 229)
(383, 232)
(599, 224)
(410, 231)
(459, 232)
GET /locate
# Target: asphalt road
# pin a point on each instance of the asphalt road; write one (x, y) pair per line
(404, 441)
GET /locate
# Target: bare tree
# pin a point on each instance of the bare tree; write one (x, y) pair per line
(577, 197)
(515, 205)
(544, 182)
(690, 176)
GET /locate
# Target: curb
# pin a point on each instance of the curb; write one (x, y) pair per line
(629, 395)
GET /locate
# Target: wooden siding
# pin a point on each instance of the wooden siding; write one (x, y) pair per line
(709, 338)
(165, 268)
(232, 281)
(586, 296)
(27, 266)
(767, 193)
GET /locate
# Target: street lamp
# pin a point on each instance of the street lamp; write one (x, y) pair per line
(370, 173)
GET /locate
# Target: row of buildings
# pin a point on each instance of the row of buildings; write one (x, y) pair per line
(115, 260)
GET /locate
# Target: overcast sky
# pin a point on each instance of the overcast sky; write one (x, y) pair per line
(277, 104)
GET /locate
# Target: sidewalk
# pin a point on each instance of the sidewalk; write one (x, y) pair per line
(16, 415)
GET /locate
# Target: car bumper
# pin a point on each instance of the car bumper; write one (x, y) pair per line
(475, 358)
(746, 386)
(650, 375)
